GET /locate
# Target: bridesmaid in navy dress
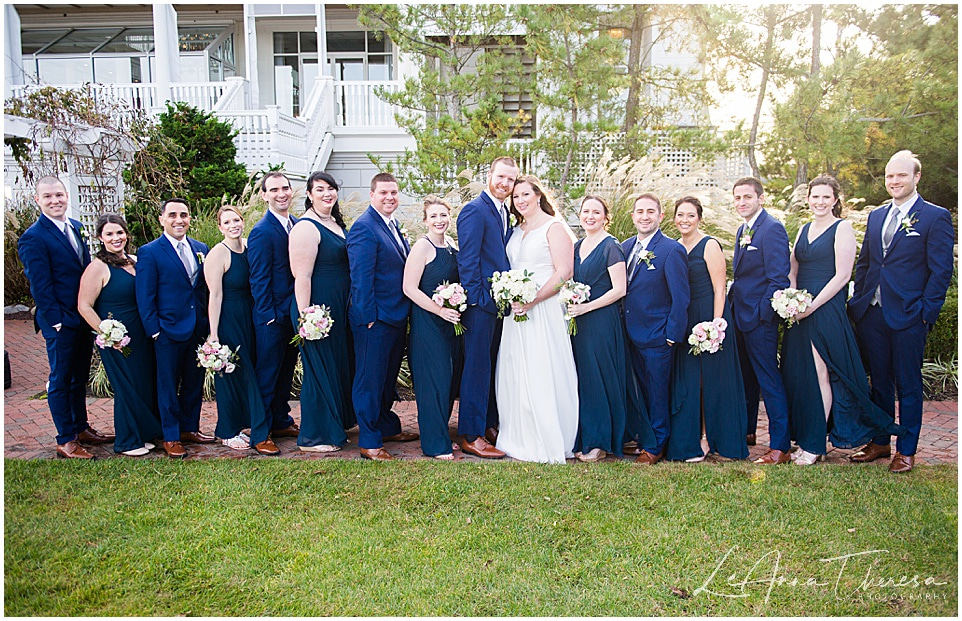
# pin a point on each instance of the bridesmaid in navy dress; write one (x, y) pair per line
(435, 351)
(322, 277)
(599, 346)
(107, 287)
(229, 308)
(706, 388)
(824, 378)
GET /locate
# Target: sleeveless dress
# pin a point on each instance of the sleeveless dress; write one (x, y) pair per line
(436, 356)
(601, 355)
(237, 393)
(854, 419)
(136, 417)
(709, 383)
(536, 382)
(326, 407)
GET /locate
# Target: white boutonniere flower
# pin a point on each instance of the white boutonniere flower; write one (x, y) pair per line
(404, 232)
(647, 256)
(746, 238)
(200, 258)
(512, 221)
(908, 225)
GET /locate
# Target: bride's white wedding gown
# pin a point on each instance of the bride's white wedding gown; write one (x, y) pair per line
(536, 383)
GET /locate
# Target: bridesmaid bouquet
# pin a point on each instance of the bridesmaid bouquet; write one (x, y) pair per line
(314, 324)
(512, 286)
(573, 292)
(112, 332)
(452, 295)
(218, 358)
(707, 336)
(789, 302)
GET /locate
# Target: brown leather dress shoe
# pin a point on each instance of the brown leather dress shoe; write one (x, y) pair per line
(92, 436)
(750, 439)
(404, 436)
(481, 448)
(491, 435)
(376, 454)
(175, 450)
(648, 459)
(267, 447)
(902, 463)
(287, 432)
(870, 452)
(197, 437)
(772, 458)
(631, 448)
(72, 450)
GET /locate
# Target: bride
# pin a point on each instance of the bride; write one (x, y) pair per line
(536, 385)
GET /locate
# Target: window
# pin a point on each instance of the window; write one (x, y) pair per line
(360, 55)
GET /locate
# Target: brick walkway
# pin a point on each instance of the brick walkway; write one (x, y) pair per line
(29, 431)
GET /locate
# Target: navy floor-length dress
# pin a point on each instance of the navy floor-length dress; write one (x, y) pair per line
(237, 393)
(436, 357)
(854, 419)
(326, 407)
(709, 383)
(601, 355)
(136, 417)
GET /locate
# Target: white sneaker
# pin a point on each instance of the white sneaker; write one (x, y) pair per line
(695, 460)
(149, 446)
(320, 448)
(240, 442)
(137, 452)
(804, 458)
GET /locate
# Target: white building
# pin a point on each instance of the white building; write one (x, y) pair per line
(297, 80)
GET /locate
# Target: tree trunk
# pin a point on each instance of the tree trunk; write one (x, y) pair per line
(766, 70)
(634, 66)
(801, 172)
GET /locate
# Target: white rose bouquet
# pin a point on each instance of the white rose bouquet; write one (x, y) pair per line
(512, 286)
(217, 358)
(707, 336)
(789, 302)
(314, 324)
(452, 295)
(112, 333)
(573, 292)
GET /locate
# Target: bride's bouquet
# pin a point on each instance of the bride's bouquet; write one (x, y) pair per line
(111, 333)
(707, 336)
(452, 295)
(572, 292)
(789, 302)
(218, 358)
(314, 324)
(512, 286)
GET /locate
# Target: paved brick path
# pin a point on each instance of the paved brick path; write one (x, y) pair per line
(29, 431)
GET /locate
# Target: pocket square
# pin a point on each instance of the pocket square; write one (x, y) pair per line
(913, 234)
(751, 248)
(651, 267)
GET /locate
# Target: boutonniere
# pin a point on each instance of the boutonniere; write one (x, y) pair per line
(908, 224)
(512, 221)
(404, 232)
(746, 238)
(200, 258)
(647, 256)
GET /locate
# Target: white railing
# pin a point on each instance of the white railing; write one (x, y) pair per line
(141, 96)
(234, 97)
(357, 104)
(318, 113)
(269, 137)
(203, 95)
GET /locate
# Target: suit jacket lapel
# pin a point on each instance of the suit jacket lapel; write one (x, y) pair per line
(386, 228)
(172, 254)
(56, 232)
(913, 214)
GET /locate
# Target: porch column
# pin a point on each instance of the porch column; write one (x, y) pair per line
(167, 51)
(12, 57)
(250, 47)
(321, 30)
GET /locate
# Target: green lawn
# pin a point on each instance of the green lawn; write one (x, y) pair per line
(337, 537)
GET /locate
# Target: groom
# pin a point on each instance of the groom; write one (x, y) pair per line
(901, 277)
(483, 231)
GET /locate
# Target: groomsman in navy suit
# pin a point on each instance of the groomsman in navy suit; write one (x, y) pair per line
(483, 232)
(901, 277)
(172, 301)
(656, 315)
(761, 267)
(272, 285)
(378, 314)
(54, 256)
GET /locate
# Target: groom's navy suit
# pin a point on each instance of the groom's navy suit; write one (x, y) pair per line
(760, 269)
(656, 311)
(912, 278)
(377, 297)
(54, 271)
(272, 285)
(176, 311)
(482, 241)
